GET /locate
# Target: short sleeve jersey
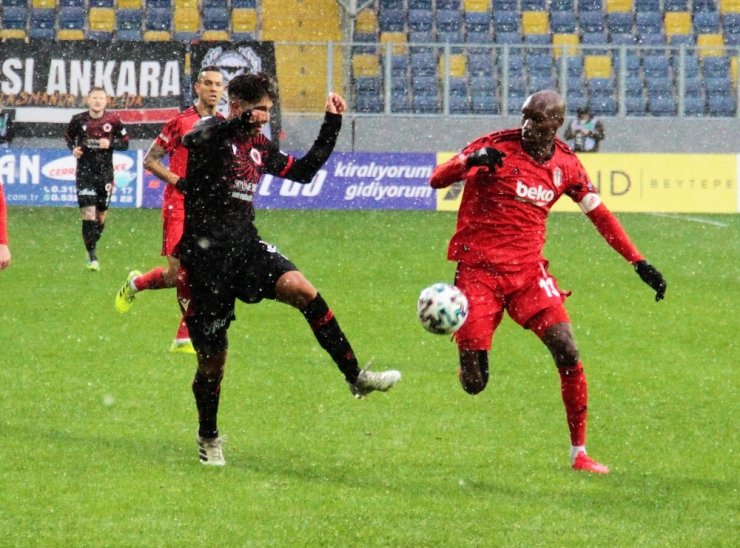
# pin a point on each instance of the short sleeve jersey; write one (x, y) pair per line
(221, 182)
(170, 139)
(96, 164)
(502, 217)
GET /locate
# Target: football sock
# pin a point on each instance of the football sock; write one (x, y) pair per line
(151, 280)
(331, 337)
(574, 391)
(182, 330)
(575, 449)
(90, 237)
(207, 392)
(101, 227)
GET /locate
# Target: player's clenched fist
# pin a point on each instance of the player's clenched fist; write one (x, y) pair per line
(335, 103)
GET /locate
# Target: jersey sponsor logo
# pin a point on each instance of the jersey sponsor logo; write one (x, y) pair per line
(218, 324)
(538, 195)
(243, 190)
(87, 192)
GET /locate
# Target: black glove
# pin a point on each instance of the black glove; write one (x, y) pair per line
(180, 185)
(487, 157)
(650, 275)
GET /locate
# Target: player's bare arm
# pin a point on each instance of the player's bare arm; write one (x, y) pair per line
(153, 162)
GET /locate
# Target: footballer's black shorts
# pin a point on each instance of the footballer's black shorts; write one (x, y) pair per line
(94, 192)
(216, 283)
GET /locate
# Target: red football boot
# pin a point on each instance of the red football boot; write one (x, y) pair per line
(587, 464)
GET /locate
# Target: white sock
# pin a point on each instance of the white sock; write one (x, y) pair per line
(575, 449)
(132, 285)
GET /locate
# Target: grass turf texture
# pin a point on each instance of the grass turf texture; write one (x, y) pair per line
(97, 419)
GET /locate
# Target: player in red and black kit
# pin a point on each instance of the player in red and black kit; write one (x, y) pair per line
(92, 137)
(512, 179)
(223, 254)
(209, 87)
(4, 249)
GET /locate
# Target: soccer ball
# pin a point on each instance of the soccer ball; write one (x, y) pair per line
(442, 308)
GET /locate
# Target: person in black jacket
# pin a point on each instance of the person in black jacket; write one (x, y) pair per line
(225, 260)
(7, 126)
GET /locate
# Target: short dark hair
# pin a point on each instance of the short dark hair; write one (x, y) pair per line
(583, 110)
(252, 87)
(208, 68)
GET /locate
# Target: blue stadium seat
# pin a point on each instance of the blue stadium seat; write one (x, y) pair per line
(505, 21)
(215, 19)
(425, 84)
(223, 4)
(656, 65)
(158, 19)
(623, 39)
(590, 5)
(715, 67)
(591, 21)
(15, 3)
(480, 63)
(703, 5)
(717, 85)
(575, 86)
(516, 85)
(658, 86)
(449, 4)
(601, 87)
(450, 37)
(42, 24)
(400, 100)
(516, 100)
(459, 104)
(561, 5)
(482, 37)
(458, 85)
(515, 63)
(605, 105)
(633, 61)
(694, 105)
(537, 40)
(422, 37)
(423, 63)
(652, 39)
(539, 82)
(485, 104)
(575, 103)
(511, 38)
(477, 21)
(387, 4)
(682, 39)
(427, 104)
(399, 65)
(392, 20)
(635, 105)
(540, 63)
(693, 85)
(420, 4)
(367, 84)
(647, 6)
(482, 85)
(590, 41)
(706, 22)
(72, 3)
(420, 20)
(662, 105)
(619, 22)
(648, 22)
(633, 86)
(168, 4)
(72, 18)
(101, 3)
(449, 20)
(563, 22)
(534, 5)
(574, 65)
(676, 5)
(15, 17)
(368, 103)
(721, 105)
(505, 5)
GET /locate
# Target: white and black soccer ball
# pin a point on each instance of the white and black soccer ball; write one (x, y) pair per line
(442, 308)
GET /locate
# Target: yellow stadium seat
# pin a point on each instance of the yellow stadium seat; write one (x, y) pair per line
(398, 38)
(102, 19)
(44, 4)
(597, 66)
(187, 4)
(566, 43)
(458, 65)
(157, 36)
(70, 34)
(535, 22)
(677, 22)
(215, 36)
(614, 6)
(729, 6)
(734, 69)
(187, 19)
(477, 5)
(365, 64)
(12, 34)
(129, 5)
(243, 20)
(710, 45)
(366, 22)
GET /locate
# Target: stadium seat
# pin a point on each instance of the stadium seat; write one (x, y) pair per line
(603, 105)
(244, 4)
(591, 21)
(480, 64)
(662, 105)
(619, 22)
(392, 20)
(504, 5)
(535, 22)
(703, 6)
(647, 6)
(648, 22)
(478, 6)
(365, 65)
(223, 4)
(449, 20)
(635, 105)
(74, 3)
(43, 4)
(420, 4)
(426, 104)
(368, 103)
(534, 5)
(590, 6)
(399, 65)
(715, 67)
(540, 82)
(458, 65)
(694, 105)
(102, 23)
(72, 18)
(561, 5)
(633, 85)
(593, 43)
(215, 18)
(718, 85)
(157, 19)
(656, 66)
(459, 104)
(678, 22)
(597, 66)
(721, 105)
(619, 6)
(423, 63)
(623, 39)
(243, 23)
(15, 3)
(706, 22)
(675, 5)
(563, 22)
(505, 22)
(101, 3)
(186, 23)
(476, 37)
(510, 38)
(568, 44)
(396, 41)
(681, 40)
(420, 20)
(15, 17)
(657, 85)
(129, 4)
(42, 24)
(710, 45)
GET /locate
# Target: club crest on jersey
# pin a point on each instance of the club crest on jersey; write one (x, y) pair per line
(557, 177)
(254, 154)
(107, 127)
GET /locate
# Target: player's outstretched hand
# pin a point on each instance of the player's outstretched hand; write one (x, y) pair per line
(486, 157)
(650, 275)
(335, 103)
(255, 117)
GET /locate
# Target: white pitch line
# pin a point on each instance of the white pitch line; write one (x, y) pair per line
(701, 220)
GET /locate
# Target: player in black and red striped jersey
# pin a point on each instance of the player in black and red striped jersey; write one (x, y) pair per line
(92, 136)
(209, 87)
(223, 254)
(512, 180)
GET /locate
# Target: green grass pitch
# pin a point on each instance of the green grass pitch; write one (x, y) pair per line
(97, 419)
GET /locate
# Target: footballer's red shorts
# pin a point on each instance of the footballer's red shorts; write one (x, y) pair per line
(173, 221)
(523, 295)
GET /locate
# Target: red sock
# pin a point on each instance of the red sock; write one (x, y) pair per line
(574, 390)
(151, 280)
(182, 330)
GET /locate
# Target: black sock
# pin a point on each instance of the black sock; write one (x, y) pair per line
(90, 235)
(331, 337)
(101, 227)
(207, 392)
